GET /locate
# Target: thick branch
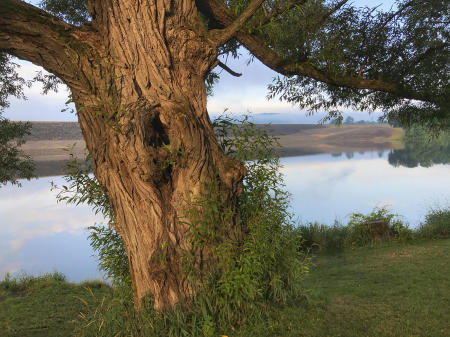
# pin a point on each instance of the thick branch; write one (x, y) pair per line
(223, 35)
(36, 36)
(220, 13)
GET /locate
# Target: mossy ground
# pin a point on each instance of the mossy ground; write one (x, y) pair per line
(386, 290)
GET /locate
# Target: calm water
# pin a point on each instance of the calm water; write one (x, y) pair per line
(38, 235)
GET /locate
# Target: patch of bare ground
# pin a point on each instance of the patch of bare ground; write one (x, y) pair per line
(346, 138)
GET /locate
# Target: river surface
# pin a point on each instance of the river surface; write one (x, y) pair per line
(39, 235)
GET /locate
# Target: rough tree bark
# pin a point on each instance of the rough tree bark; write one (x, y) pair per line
(136, 73)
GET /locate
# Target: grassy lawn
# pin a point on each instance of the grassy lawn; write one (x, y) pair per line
(391, 290)
(45, 308)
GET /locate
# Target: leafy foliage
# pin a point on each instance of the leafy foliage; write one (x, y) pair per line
(72, 11)
(28, 284)
(83, 188)
(407, 46)
(264, 206)
(357, 233)
(49, 82)
(362, 233)
(11, 84)
(210, 80)
(322, 238)
(13, 163)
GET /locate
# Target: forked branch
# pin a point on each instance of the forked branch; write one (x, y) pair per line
(223, 35)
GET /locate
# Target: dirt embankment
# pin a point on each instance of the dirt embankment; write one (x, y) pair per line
(346, 138)
(51, 143)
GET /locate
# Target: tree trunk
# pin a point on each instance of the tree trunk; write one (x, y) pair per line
(142, 111)
(136, 73)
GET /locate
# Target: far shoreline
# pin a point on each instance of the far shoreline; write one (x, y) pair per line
(51, 144)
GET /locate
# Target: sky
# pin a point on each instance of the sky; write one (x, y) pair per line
(246, 94)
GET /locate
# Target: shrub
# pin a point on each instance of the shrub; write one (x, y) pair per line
(363, 230)
(436, 225)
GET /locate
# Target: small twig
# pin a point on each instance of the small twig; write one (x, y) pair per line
(277, 12)
(331, 12)
(228, 69)
(393, 15)
(382, 25)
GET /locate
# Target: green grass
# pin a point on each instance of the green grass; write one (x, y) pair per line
(46, 305)
(392, 290)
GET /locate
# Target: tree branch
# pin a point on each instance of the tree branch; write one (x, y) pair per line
(221, 13)
(223, 35)
(36, 36)
(228, 69)
(419, 58)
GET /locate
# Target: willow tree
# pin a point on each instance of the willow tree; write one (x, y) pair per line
(14, 164)
(137, 68)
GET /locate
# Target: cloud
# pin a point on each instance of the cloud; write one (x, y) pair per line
(43, 215)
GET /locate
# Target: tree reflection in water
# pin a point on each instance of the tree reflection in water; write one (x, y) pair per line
(422, 148)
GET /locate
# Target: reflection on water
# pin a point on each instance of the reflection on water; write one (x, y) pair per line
(328, 187)
(38, 235)
(422, 150)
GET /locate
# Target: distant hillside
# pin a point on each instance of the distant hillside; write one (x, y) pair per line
(71, 130)
(54, 131)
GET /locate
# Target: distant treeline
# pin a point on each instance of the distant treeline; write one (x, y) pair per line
(351, 120)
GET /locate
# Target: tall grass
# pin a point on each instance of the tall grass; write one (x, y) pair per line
(436, 224)
(322, 238)
(359, 231)
(28, 284)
